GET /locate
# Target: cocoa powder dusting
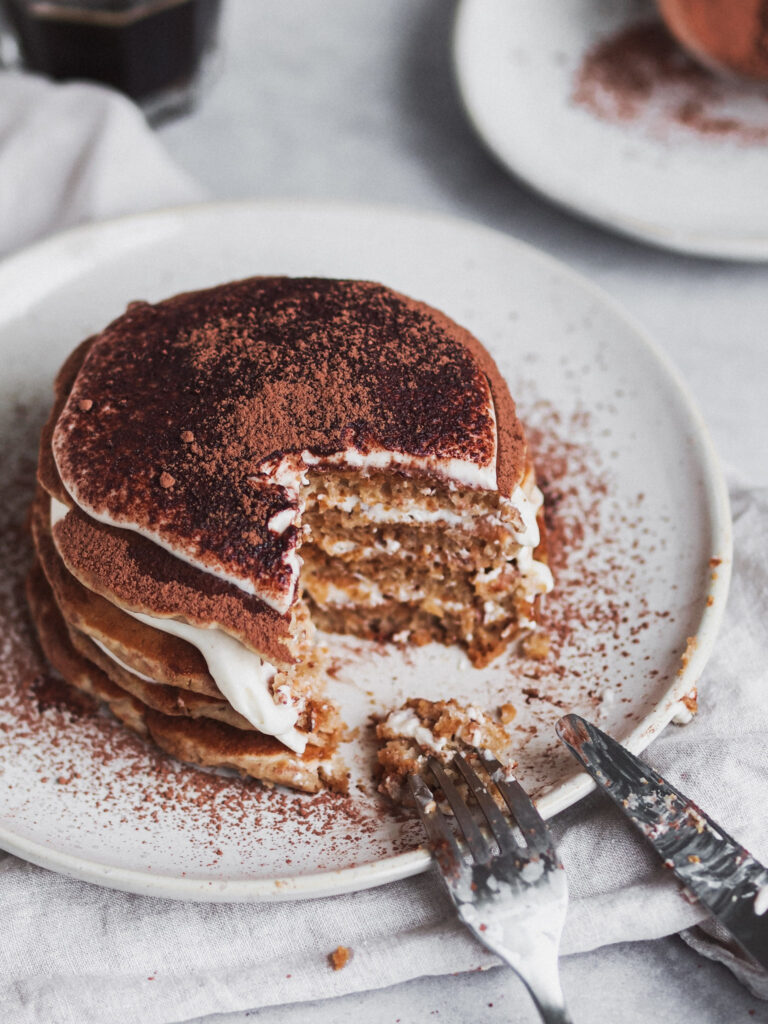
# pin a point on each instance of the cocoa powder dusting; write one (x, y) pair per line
(257, 372)
(596, 616)
(642, 75)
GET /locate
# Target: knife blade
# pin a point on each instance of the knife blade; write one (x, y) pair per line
(721, 873)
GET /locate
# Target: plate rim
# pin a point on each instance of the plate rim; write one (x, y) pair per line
(570, 790)
(703, 245)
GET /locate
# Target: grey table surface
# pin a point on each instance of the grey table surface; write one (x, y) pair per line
(355, 100)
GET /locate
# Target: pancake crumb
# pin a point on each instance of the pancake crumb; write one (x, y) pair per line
(690, 648)
(166, 480)
(507, 713)
(536, 646)
(340, 957)
(423, 729)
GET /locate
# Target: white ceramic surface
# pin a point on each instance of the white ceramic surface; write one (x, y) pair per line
(586, 380)
(698, 193)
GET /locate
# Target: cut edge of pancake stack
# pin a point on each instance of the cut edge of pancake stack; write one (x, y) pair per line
(224, 469)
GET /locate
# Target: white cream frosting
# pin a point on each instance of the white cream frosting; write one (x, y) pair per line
(378, 512)
(528, 507)
(406, 723)
(242, 675)
(58, 511)
(537, 575)
(458, 471)
(119, 661)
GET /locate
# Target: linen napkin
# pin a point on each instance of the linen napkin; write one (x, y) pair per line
(76, 152)
(73, 953)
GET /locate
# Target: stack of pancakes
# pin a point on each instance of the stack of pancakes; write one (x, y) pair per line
(197, 446)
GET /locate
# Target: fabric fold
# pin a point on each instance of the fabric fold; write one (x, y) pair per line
(77, 152)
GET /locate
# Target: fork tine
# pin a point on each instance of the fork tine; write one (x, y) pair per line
(438, 830)
(515, 911)
(499, 825)
(478, 847)
(520, 804)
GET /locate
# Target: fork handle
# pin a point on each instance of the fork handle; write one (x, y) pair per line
(551, 1013)
(539, 972)
(544, 988)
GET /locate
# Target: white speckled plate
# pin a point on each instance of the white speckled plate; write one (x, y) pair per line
(629, 473)
(699, 193)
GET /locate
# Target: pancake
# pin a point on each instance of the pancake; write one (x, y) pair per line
(162, 671)
(206, 743)
(424, 729)
(148, 651)
(76, 670)
(225, 469)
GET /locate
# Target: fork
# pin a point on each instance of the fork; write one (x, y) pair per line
(511, 896)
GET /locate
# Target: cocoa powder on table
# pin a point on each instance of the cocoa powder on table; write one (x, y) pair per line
(640, 74)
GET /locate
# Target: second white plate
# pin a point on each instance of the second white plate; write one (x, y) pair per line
(516, 65)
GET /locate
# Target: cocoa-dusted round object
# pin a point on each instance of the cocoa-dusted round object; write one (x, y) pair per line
(730, 35)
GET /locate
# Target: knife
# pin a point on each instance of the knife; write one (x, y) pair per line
(724, 877)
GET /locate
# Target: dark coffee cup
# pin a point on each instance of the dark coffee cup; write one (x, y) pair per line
(152, 50)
